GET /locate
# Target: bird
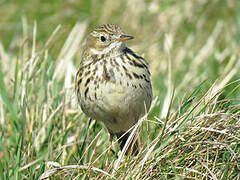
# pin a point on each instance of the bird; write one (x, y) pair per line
(113, 83)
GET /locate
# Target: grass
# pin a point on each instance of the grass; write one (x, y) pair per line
(193, 128)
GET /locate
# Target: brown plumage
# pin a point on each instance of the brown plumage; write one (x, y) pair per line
(113, 83)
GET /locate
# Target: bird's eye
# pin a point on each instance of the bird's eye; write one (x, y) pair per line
(103, 39)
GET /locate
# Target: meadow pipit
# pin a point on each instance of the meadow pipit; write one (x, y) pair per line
(113, 83)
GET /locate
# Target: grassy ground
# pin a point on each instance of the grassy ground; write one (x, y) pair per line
(193, 129)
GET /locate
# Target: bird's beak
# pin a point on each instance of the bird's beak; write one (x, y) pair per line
(125, 37)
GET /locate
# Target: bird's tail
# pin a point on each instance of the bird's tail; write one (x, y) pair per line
(133, 145)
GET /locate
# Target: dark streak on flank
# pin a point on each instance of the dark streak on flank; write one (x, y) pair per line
(80, 70)
(112, 76)
(102, 56)
(79, 73)
(122, 58)
(95, 69)
(106, 76)
(129, 75)
(87, 81)
(95, 57)
(86, 73)
(124, 68)
(80, 81)
(85, 93)
(136, 75)
(116, 63)
(148, 72)
(88, 67)
(146, 80)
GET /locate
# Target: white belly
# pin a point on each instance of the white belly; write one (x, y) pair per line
(117, 106)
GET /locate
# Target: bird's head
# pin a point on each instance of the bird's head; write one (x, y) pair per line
(106, 38)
